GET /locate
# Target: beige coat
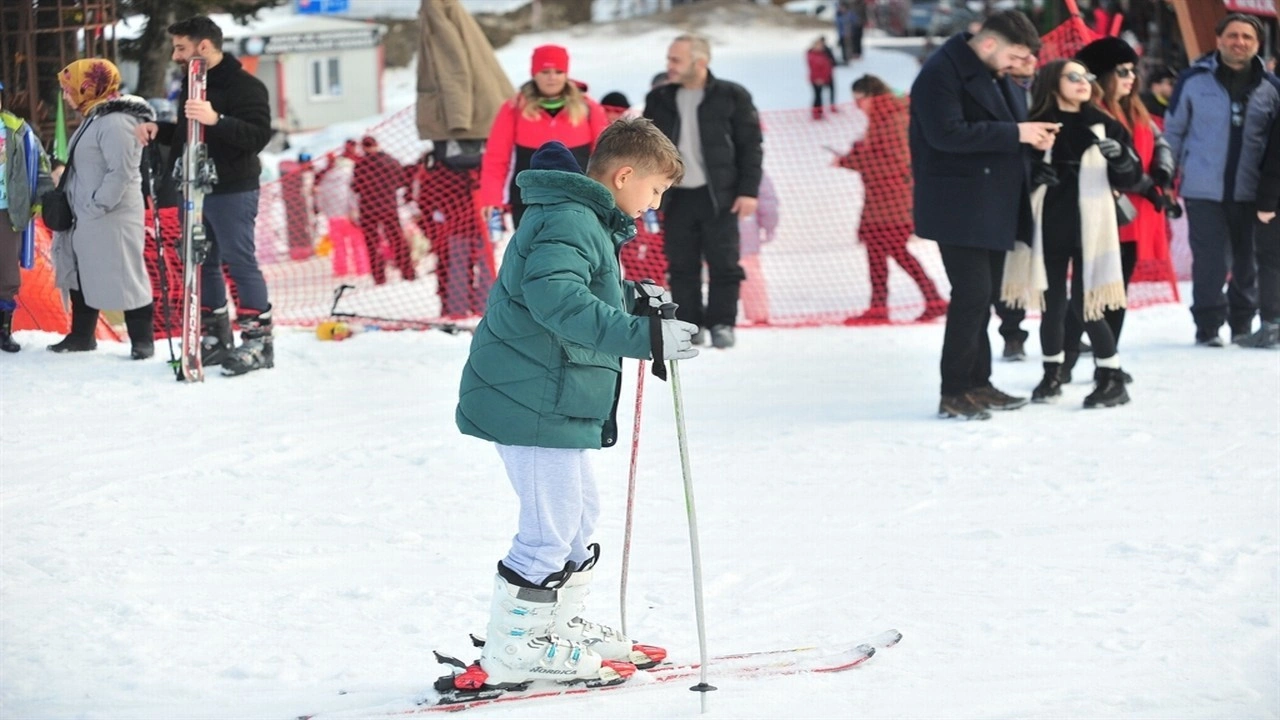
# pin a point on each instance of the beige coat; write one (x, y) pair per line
(460, 83)
(102, 254)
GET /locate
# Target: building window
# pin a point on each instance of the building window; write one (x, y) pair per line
(326, 78)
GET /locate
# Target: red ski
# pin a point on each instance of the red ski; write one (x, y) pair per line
(750, 665)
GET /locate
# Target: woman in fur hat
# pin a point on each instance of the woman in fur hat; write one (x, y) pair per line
(1076, 232)
(1145, 240)
(99, 261)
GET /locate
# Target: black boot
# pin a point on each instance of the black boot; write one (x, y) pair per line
(7, 343)
(1069, 358)
(142, 334)
(1051, 386)
(1108, 390)
(84, 321)
(256, 351)
(216, 341)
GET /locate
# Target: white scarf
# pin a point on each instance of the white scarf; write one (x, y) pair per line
(1025, 280)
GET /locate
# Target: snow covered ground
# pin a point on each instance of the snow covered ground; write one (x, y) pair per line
(300, 540)
(320, 528)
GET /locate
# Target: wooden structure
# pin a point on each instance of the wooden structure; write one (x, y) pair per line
(40, 37)
(1197, 18)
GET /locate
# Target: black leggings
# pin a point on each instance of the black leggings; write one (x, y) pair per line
(817, 93)
(1114, 318)
(1053, 321)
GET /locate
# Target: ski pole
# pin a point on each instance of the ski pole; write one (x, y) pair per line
(668, 311)
(631, 497)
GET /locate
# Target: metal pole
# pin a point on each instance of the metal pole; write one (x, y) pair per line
(631, 497)
(668, 311)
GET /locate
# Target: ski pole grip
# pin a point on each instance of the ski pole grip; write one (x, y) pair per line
(667, 311)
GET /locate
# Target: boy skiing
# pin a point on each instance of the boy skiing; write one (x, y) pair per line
(542, 383)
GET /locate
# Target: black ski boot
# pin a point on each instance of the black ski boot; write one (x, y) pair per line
(256, 351)
(1050, 386)
(7, 343)
(84, 321)
(1108, 390)
(141, 332)
(216, 341)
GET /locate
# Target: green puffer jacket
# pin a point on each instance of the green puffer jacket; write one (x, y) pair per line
(545, 367)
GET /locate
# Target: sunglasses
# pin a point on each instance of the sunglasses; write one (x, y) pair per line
(1122, 72)
(1076, 77)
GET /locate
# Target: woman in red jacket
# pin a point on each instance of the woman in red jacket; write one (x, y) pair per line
(884, 160)
(548, 107)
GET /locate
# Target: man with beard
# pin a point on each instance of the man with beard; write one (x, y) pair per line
(237, 119)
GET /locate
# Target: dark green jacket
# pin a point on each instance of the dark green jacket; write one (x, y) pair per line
(545, 367)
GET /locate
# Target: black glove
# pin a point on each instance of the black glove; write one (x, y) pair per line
(1111, 149)
(1042, 173)
(1160, 176)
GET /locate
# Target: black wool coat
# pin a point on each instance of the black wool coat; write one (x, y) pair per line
(972, 176)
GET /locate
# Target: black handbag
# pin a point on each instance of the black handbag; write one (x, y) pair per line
(56, 211)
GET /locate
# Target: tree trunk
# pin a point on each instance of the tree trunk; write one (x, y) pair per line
(154, 54)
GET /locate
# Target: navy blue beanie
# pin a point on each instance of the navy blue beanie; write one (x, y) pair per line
(554, 156)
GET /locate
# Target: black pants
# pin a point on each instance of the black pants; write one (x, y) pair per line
(817, 93)
(1114, 318)
(1053, 321)
(1221, 239)
(1010, 317)
(1266, 238)
(966, 347)
(696, 232)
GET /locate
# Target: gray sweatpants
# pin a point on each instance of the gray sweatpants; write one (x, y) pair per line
(558, 508)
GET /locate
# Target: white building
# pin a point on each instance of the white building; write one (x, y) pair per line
(318, 70)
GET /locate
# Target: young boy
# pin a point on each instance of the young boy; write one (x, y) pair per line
(542, 383)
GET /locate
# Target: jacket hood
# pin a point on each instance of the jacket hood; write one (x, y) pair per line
(551, 187)
(128, 104)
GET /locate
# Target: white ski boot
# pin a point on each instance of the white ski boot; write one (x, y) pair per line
(521, 646)
(610, 644)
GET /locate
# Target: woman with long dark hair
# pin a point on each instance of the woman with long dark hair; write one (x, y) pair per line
(1076, 232)
(1145, 239)
(548, 107)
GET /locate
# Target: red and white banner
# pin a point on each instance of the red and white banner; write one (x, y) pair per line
(1266, 8)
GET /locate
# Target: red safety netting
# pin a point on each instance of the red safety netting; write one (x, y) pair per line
(406, 235)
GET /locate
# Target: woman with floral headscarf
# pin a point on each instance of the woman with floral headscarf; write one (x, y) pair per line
(99, 261)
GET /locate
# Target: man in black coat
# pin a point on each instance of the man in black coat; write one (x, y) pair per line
(970, 155)
(236, 116)
(717, 128)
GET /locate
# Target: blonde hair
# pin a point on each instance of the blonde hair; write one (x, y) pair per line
(699, 45)
(575, 102)
(639, 143)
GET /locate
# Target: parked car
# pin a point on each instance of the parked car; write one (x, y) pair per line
(943, 18)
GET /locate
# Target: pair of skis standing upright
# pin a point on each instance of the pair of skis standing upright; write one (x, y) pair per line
(197, 175)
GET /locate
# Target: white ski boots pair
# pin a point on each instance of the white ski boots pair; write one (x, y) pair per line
(539, 634)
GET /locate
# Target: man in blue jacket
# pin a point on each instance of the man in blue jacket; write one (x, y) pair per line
(1217, 127)
(970, 155)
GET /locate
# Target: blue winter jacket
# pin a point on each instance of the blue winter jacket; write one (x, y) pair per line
(1198, 129)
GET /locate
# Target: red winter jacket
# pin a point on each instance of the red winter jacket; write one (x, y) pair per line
(822, 67)
(514, 136)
